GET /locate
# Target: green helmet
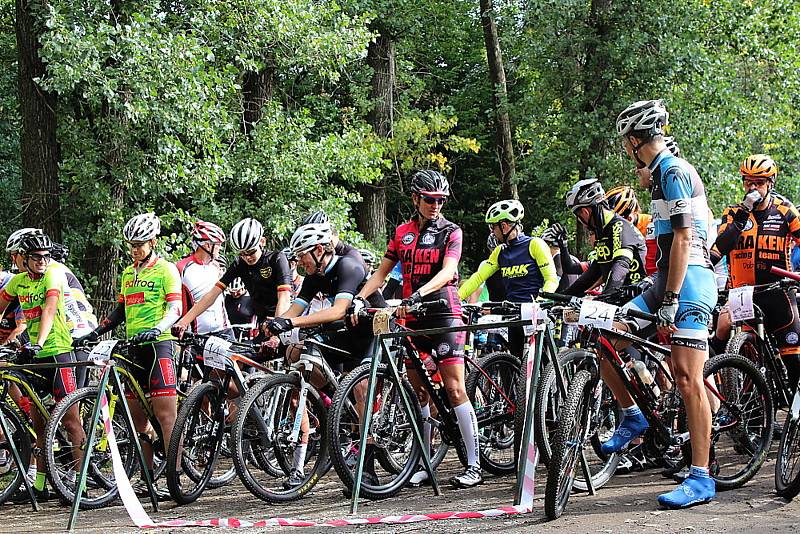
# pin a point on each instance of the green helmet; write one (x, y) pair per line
(505, 210)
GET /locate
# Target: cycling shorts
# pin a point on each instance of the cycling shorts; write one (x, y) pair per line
(56, 382)
(359, 350)
(697, 301)
(154, 370)
(447, 348)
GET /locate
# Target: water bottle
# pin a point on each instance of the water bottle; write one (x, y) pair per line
(427, 362)
(646, 377)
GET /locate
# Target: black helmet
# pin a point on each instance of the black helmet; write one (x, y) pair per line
(315, 217)
(59, 252)
(428, 182)
(36, 242)
(491, 242)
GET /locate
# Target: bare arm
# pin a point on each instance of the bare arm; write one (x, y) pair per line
(377, 279)
(678, 258)
(448, 272)
(284, 302)
(328, 315)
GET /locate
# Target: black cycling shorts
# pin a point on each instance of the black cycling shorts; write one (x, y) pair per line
(447, 348)
(154, 370)
(56, 382)
(781, 318)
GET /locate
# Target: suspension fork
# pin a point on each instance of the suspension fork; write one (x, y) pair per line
(294, 437)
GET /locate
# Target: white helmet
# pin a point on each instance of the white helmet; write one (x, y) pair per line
(15, 239)
(246, 234)
(644, 118)
(235, 286)
(585, 194)
(142, 227)
(308, 236)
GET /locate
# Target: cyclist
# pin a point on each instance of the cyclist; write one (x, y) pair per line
(39, 288)
(683, 295)
(297, 278)
(337, 279)
(370, 261)
(756, 235)
(430, 248)
(556, 238)
(618, 246)
(393, 288)
(239, 307)
(149, 304)
(524, 263)
(199, 273)
(340, 248)
(265, 274)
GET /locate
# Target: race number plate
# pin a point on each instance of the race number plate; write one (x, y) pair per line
(216, 353)
(380, 322)
(597, 314)
(102, 351)
(740, 303)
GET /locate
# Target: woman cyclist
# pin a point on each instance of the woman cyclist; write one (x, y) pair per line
(429, 246)
(149, 304)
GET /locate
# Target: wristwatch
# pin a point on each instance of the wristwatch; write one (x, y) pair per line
(671, 296)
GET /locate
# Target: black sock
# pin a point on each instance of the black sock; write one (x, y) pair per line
(369, 459)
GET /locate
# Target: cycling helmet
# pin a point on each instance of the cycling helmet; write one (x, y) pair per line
(316, 217)
(308, 236)
(59, 252)
(206, 231)
(585, 194)
(622, 199)
(14, 240)
(246, 234)
(491, 242)
(236, 286)
(369, 257)
(550, 236)
(759, 166)
(431, 183)
(142, 227)
(288, 253)
(505, 210)
(672, 146)
(34, 242)
(644, 119)
(222, 261)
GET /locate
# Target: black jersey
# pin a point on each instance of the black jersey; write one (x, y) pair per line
(263, 280)
(343, 278)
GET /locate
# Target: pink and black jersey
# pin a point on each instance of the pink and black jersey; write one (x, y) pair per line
(422, 252)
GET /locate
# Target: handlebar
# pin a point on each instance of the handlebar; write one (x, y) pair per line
(577, 301)
(785, 273)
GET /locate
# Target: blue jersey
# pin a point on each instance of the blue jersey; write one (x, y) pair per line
(679, 201)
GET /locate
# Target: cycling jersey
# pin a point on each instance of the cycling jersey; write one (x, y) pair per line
(679, 200)
(80, 315)
(197, 279)
(342, 278)
(525, 265)
(240, 309)
(620, 252)
(32, 293)
(642, 222)
(755, 242)
(564, 279)
(393, 288)
(145, 295)
(422, 251)
(13, 314)
(263, 280)
(343, 249)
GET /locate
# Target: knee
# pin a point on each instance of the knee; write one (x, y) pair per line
(456, 393)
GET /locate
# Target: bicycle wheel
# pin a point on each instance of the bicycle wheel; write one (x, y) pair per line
(494, 396)
(787, 464)
(389, 430)
(394, 456)
(195, 442)
(263, 432)
(741, 429)
(10, 474)
(570, 436)
(66, 434)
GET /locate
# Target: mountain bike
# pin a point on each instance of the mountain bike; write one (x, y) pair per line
(741, 425)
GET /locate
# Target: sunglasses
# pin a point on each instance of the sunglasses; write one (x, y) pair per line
(40, 257)
(248, 253)
(433, 200)
(757, 183)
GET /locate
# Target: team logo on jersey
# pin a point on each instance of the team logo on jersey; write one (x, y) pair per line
(443, 349)
(748, 225)
(266, 272)
(134, 299)
(408, 238)
(791, 338)
(427, 239)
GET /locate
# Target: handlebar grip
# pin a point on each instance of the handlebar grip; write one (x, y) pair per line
(555, 296)
(785, 273)
(640, 315)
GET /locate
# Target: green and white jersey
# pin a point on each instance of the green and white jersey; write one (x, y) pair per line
(146, 293)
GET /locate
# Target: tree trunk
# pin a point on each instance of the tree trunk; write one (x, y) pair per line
(504, 145)
(102, 262)
(38, 144)
(257, 89)
(371, 218)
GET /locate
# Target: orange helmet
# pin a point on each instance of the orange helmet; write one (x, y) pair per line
(622, 200)
(759, 166)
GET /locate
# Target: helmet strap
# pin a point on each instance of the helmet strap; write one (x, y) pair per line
(506, 234)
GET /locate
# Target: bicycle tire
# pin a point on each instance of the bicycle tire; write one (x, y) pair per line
(11, 479)
(496, 441)
(749, 438)
(787, 463)
(572, 429)
(343, 436)
(197, 435)
(254, 434)
(439, 449)
(100, 486)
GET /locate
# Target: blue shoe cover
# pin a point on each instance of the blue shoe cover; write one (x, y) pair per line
(631, 427)
(694, 490)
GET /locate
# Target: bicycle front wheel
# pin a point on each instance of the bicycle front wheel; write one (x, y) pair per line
(787, 464)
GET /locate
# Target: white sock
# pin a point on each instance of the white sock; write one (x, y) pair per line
(468, 425)
(300, 456)
(427, 428)
(31, 473)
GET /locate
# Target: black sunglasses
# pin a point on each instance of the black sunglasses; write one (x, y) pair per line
(433, 200)
(40, 257)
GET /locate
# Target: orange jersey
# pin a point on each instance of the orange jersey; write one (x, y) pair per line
(755, 242)
(642, 222)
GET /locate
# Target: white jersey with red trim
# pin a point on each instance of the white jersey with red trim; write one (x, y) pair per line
(197, 279)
